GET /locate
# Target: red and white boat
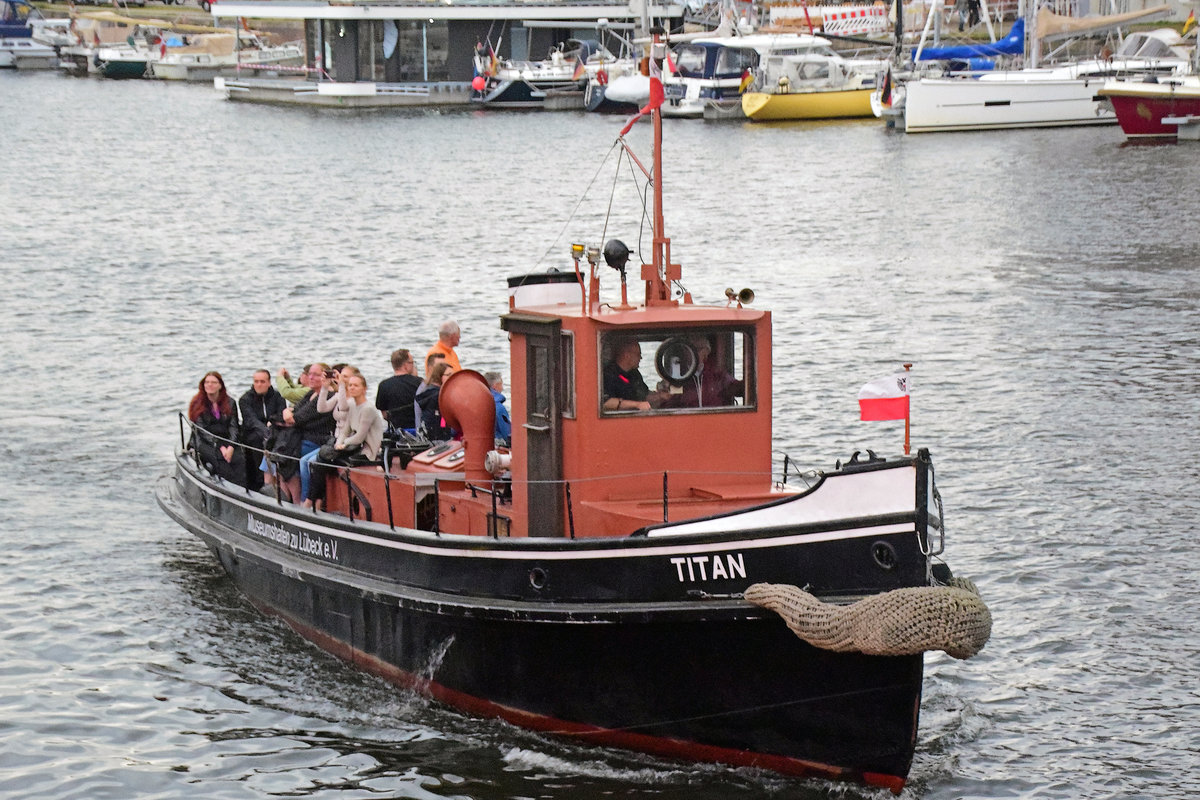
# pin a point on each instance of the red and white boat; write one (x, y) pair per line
(1166, 107)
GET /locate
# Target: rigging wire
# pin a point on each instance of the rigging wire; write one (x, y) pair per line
(583, 196)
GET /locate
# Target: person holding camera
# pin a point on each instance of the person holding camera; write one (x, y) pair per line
(359, 435)
(309, 429)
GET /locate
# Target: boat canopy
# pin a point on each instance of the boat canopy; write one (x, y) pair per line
(1057, 26)
(1011, 45)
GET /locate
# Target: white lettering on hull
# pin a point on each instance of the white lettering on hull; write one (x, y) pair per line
(719, 567)
(301, 542)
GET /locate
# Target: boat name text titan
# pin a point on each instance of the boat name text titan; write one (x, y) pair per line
(734, 565)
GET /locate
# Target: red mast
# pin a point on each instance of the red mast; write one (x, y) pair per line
(660, 271)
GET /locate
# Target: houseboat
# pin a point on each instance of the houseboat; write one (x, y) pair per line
(423, 54)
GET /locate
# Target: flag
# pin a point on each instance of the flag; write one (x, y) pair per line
(747, 79)
(657, 95)
(884, 398)
(671, 68)
(578, 73)
(885, 92)
(1189, 22)
(162, 46)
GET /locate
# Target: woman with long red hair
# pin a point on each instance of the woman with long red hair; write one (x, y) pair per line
(214, 419)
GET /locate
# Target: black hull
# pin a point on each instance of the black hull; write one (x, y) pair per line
(522, 94)
(691, 675)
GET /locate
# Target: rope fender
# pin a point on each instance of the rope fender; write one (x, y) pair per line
(901, 622)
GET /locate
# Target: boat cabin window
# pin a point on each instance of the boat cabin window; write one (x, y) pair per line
(1142, 45)
(733, 61)
(689, 61)
(677, 371)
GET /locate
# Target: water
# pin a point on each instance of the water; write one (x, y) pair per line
(1042, 282)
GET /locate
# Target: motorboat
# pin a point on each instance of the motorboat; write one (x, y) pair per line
(714, 72)
(20, 45)
(202, 57)
(621, 574)
(813, 85)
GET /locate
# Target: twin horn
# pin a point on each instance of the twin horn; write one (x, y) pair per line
(743, 298)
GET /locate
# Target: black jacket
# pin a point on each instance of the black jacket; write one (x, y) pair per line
(257, 410)
(395, 397)
(431, 416)
(315, 426)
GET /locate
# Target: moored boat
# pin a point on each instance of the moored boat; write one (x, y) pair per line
(20, 45)
(1162, 108)
(811, 86)
(1062, 94)
(611, 577)
(526, 84)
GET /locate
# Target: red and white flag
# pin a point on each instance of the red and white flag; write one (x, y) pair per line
(657, 95)
(884, 398)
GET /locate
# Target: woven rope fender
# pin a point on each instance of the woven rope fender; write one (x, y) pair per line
(897, 623)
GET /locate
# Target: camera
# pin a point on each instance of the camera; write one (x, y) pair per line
(330, 373)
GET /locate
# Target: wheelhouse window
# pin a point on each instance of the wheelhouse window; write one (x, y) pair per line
(679, 371)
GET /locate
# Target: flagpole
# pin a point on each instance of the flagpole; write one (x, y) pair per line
(907, 415)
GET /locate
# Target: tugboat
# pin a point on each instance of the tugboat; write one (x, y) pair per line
(620, 573)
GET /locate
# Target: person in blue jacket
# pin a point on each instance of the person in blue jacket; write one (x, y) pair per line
(503, 421)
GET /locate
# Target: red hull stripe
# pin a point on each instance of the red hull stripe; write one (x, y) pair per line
(627, 740)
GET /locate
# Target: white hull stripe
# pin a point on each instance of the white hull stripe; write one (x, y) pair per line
(560, 555)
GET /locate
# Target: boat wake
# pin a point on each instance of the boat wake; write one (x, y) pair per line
(545, 764)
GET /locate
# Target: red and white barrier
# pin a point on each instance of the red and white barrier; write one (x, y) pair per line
(843, 20)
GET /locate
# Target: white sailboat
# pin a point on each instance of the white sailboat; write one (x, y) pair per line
(1063, 94)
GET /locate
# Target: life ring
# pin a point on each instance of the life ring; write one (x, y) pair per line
(602, 77)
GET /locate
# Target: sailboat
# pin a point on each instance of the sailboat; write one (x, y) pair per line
(622, 574)
(1166, 107)
(1063, 94)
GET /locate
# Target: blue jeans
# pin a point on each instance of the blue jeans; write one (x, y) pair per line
(308, 451)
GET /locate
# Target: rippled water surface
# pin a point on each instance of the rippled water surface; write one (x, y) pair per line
(1044, 284)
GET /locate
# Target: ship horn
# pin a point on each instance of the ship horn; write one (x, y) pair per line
(467, 406)
(743, 298)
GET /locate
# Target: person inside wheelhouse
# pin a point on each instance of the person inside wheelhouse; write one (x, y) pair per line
(697, 370)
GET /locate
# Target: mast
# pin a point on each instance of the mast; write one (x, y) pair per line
(660, 271)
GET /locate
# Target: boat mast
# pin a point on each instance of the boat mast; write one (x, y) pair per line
(661, 270)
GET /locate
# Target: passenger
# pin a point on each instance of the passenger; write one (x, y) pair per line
(331, 399)
(503, 421)
(308, 428)
(711, 385)
(294, 391)
(396, 394)
(215, 429)
(430, 361)
(258, 405)
(286, 444)
(448, 338)
(434, 426)
(624, 389)
(360, 436)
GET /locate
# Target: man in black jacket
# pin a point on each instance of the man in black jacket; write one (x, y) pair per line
(257, 406)
(396, 394)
